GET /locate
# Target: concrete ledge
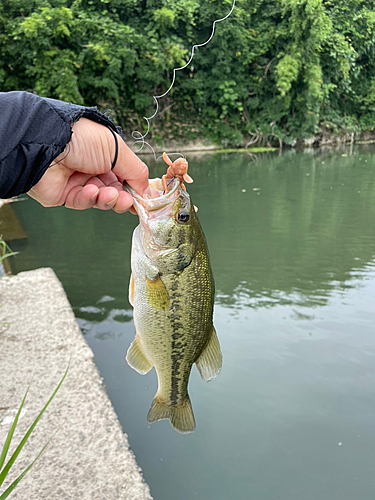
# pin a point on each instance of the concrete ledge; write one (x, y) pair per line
(89, 458)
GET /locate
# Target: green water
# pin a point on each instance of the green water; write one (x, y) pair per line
(292, 415)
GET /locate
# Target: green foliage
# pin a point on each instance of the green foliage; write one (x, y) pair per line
(287, 71)
(164, 18)
(289, 67)
(4, 469)
(5, 250)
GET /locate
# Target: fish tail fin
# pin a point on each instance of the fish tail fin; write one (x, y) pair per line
(159, 410)
(181, 416)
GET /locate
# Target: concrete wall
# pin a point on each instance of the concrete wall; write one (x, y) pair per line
(89, 458)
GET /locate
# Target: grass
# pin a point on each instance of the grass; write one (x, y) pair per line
(5, 250)
(4, 469)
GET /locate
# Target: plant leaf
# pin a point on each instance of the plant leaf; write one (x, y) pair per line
(5, 256)
(12, 459)
(10, 488)
(10, 433)
(5, 250)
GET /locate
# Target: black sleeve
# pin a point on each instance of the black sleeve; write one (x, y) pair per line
(33, 132)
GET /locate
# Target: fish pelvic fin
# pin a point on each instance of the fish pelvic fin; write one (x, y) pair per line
(131, 290)
(137, 359)
(181, 416)
(210, 360)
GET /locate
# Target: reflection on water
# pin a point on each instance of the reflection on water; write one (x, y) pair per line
(297, 238)
(307, 230)
(292, 243)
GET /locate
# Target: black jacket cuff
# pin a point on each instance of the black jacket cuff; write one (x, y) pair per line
(33, 132)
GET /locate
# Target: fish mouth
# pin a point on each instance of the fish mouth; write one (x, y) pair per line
(154, 198)
(155, 208)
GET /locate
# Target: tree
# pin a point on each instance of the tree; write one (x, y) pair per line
(293, 67)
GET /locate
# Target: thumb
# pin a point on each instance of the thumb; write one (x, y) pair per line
(130, 168)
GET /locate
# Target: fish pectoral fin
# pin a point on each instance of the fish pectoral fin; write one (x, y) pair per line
(136, 358)
(210, 361)
(131, 290)
(156, 294)
(181, 416)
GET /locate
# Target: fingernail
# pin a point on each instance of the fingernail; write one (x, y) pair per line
(93, 197)
(112, 203)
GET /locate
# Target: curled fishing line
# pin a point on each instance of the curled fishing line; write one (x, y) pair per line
(140, 138)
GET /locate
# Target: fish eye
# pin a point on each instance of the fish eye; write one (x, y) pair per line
(183, 216)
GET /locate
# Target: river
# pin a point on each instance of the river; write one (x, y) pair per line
(292, 245)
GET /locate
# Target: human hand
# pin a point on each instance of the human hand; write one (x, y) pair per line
(81, 176)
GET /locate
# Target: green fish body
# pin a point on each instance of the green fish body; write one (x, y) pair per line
(172, 293)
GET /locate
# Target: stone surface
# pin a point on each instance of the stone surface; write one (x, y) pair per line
(89, 457)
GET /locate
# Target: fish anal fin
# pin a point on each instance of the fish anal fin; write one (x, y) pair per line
(156, 293)
(131, 290)
(210, 360)
(181, 416)
(137, 359)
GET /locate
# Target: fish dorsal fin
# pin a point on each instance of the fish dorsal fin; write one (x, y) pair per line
(131, 290)
(181, 416)
(136, 358)
(210, 361)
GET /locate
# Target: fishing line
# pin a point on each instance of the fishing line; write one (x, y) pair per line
(63, 158)
(137, 136)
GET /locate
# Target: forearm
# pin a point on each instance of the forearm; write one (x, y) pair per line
(33, 132)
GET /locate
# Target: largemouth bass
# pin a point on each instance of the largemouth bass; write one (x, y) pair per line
(172, 293)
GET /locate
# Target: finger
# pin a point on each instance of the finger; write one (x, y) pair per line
(106, 198)
(124, 202)
(106, 180)
(130, 168)
(110, 179)
(77, 179)
(96, 181)
(82, 197)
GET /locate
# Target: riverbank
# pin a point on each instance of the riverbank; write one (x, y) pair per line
(202, 146)
(89, 457)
